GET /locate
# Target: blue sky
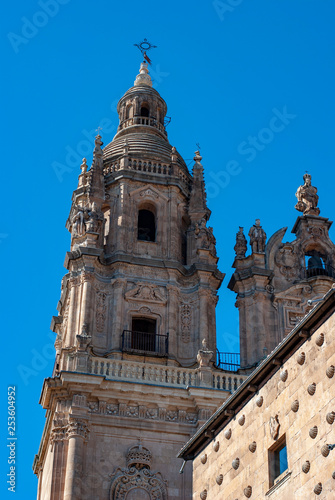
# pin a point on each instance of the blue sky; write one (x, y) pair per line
(251, 82)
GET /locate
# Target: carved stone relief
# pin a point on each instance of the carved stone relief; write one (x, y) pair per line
(185, 321)
(287, 261)
(145, 292)
(142, 411)
(100, 311)
(137, 481)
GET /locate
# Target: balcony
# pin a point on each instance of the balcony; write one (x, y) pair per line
(145, 344)
(161, 375)
(228, 361)
(142, 120)
(314, 272)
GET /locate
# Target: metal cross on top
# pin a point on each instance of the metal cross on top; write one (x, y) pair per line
(98, 130)
(144, 47)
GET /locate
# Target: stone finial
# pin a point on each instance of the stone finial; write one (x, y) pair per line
(197, 157)
(204, 355)
(83, 166)
(307, 197)
(241, 244)
(257, 237)
(143, 78)
(97, 153)
(174, 156)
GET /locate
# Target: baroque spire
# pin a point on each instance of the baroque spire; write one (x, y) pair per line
(143, 78)
(96, 183)
(198, 205)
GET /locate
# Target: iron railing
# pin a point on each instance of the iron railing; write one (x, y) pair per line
(312, 272)
(229, 361)
(145, 343)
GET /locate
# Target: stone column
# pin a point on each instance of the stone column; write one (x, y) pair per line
(118, 319)
(72, 325)
(86, 299)
(77, 432)
(172, 318)
(203, 313)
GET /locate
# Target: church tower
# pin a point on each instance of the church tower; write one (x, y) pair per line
(279, 282)
(135, 373)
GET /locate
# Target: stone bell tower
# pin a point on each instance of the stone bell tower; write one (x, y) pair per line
(135, 372)
(280, 282)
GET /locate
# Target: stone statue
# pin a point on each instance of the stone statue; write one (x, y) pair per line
(205, 236)
(241, 244)
(83, 166)
(79, 221)
(307, 197)
(257, 237)
(95, 216)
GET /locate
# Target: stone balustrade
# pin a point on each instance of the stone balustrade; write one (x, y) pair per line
(124, 370)
(142, 120)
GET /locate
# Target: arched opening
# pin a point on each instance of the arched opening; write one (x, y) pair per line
(146, 225)
(144, 110)
(143, 334)
(316, 264)
(129, 111)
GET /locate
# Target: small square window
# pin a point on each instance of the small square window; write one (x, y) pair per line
(277, 460)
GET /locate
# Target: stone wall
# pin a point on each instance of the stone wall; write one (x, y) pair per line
(231, 468)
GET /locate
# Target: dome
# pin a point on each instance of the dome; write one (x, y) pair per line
(141, 132)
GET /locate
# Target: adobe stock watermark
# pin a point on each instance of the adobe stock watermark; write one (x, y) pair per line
(74, 156)
(38, 360)
(249, 148)
(31, 27)
(222, 7)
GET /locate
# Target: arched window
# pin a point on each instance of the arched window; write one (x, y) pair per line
(146, 226)
(144, 110)
(316, 264)
(129, 111)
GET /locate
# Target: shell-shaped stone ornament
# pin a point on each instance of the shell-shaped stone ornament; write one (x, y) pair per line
(325, 450)
(259, 401)
(241, 420)
(318, 489)
(311, 389)
(306, 466)
(203, 458)
(203, 495)
(330, 371)
(253, 446)
(247, 491)
(283, 375)
(236, 463)
(330, 417)
(295, 406)
(320, 339)
(313, 432)
(227, 434)
(301, 358)
(216, 446)
(219, 479)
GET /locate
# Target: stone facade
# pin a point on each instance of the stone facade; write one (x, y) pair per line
(136, 335)
(276, 282)
(287, 402)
